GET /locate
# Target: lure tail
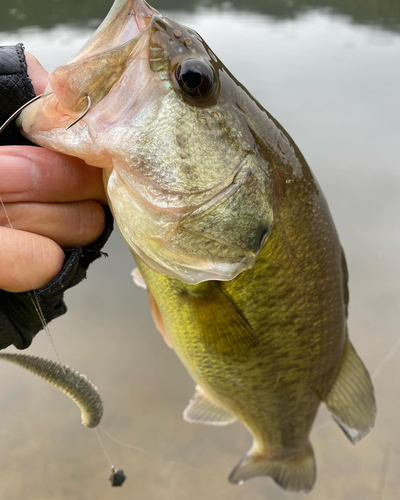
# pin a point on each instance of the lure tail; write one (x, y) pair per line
(75, 385)
(296, 473)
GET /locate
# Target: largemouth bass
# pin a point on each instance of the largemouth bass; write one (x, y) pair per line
(246, 276)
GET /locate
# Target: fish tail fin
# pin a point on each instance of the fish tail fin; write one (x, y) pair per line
(351, 399)
(297, 473)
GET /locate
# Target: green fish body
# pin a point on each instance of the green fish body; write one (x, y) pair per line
(230, 230)
(270, 345)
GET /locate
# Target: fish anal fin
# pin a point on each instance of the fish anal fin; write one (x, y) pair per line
(224, 329)
(296, 473)
(351, 399)
(201, 410)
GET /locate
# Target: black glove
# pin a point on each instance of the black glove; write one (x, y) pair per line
(19, 318)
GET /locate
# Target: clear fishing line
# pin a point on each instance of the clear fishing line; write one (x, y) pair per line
(31, 292)
(384, 474)
(35, 302)
(104, 449)
(376, 373)
(155, 457)
(389, 356)
(30, 289)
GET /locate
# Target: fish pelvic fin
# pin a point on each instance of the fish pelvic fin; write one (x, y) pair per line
(296, 473)
(201, 410)
(351, 399)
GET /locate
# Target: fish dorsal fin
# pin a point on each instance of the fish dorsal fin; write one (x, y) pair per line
(351, 399)
(224, 330)
(201, 410)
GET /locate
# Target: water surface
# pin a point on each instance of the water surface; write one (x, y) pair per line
(328, 70)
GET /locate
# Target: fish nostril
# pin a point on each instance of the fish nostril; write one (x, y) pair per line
(160, 24)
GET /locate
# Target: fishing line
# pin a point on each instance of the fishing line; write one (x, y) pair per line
(30, 289)
(31, 292)
(117, 477)
(390, 355)
(104, 448)
(377, 372)
(385, 468)
(36, 304)
(159, 459)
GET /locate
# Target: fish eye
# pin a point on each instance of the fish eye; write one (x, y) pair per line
(196, 78)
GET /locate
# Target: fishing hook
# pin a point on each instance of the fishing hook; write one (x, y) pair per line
(84, 113)
(14, 115)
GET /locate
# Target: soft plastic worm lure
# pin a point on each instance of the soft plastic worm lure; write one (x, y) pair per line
(75, 385)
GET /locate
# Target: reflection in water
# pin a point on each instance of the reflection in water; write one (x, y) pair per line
(334, 87)
(48, 13)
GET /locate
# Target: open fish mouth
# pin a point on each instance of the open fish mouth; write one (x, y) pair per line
(187, 188)
(104, 56)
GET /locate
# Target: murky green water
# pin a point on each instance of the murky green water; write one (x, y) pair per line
(329, 71)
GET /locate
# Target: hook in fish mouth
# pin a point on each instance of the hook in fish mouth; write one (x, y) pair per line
(97, 67)
(89, 100)
(103, 59)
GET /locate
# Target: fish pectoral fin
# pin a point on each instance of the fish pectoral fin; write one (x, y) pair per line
(201, 410)
(297, 473)
(224, 330)
(351, 399)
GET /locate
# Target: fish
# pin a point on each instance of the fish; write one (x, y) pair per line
(246, 276)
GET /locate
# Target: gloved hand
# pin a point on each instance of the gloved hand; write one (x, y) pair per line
(54, 203)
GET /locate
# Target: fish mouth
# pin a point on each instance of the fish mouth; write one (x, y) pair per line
(93, 72)
(102, 60)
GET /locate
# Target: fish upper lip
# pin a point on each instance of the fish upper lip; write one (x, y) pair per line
(118, 28)
(114, 40)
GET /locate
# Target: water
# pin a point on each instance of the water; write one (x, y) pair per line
(328, 70)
